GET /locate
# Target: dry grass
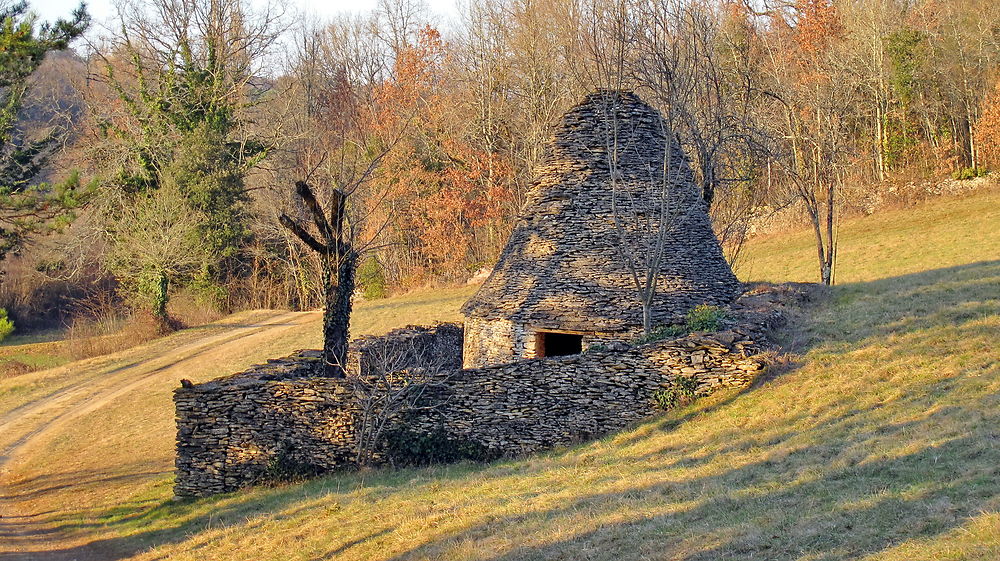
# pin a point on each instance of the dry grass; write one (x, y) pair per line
(880, 441)
(86, 338)
(940, 233)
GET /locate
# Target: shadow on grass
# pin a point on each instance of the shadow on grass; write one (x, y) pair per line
(841, 482)
(850, 476)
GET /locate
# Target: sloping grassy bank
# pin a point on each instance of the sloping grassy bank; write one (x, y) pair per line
(879, 439)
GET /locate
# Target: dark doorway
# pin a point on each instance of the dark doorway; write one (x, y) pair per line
(557, 344)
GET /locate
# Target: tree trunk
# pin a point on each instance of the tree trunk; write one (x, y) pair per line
(814, 217)
(831, 242)
(337, 311)
(160, 297)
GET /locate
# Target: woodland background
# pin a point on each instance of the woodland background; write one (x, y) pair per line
(182, 132)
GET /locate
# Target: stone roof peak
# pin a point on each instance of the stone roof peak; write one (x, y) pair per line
(609, 166)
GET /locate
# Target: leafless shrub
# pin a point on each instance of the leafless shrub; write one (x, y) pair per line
(188, 308)
(398, 375)
(100, 327)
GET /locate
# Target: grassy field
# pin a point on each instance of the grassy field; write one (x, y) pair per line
(879, 438)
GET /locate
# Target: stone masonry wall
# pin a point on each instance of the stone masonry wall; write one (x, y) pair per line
(530, 405)
(438, 347)
(239, 430)
(278, 416)
(491, 342)
(252, 426)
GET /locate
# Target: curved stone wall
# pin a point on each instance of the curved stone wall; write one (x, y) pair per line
(255, 425)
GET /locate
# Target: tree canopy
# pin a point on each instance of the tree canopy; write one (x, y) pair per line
(27, 206)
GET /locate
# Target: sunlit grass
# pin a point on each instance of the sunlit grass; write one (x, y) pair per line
(938, 234)
(880, 439)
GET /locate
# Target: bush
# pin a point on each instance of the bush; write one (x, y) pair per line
(6, 325)
(371, 280)
(96, 336)
(662, 332)
(194, 306)
(285, 468)
(409, 448)
(705, 317)
(968, 173)
(681, 392)
(10, 368)
(666, 398)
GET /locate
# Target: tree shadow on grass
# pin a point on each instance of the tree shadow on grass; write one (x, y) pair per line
(832, 483)
(174, 521)
(870, 477)
(835, 499)
(867, 508)
(913, 302)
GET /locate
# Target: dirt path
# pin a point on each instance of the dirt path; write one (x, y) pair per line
(22, 536)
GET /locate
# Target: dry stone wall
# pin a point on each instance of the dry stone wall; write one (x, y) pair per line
(491, 342)
(438, 347)
(241, 430)
(280, 418)
(530, 405)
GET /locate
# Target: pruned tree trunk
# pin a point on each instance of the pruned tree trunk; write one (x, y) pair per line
(340, 260)
(338, 287)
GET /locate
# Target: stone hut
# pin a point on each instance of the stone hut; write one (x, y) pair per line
(611, 197)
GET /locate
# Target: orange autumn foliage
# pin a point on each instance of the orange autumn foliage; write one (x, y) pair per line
(988, 129)
(446, 202)
(817, 25)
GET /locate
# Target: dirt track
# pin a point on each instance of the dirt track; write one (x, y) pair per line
(24, 533)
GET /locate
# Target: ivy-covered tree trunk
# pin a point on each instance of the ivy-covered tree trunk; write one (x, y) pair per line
(338, 287)
(162, 284)
(340, 260)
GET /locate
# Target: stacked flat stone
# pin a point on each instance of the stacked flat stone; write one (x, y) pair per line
(437, 347)
(233, 431)
(564, 266)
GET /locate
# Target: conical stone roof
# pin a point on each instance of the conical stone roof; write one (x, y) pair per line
(564, 266)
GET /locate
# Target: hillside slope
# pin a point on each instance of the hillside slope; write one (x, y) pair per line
(879, 439)
(99, 432)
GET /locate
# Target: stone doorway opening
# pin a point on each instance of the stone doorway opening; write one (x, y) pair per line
(557, 344)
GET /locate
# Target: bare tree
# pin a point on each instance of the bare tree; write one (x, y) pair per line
(669, 51)
(647, 207)
(817, 96)
(343, 146)
(396, 379)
